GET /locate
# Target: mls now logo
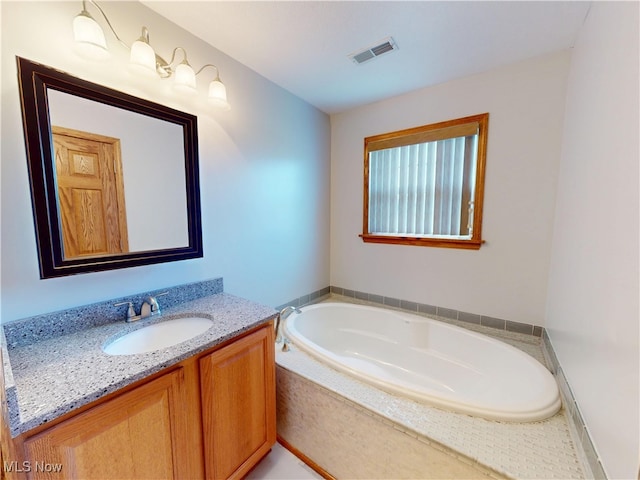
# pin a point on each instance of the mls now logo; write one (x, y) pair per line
(27, 466)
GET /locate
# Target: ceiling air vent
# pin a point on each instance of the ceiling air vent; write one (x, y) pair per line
(387, 45)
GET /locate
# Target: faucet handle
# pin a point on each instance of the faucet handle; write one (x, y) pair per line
(153, 301)
(131, 312)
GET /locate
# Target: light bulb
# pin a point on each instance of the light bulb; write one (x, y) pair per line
(143, 58)
(218, 94)
(184, 78)
(89, 37)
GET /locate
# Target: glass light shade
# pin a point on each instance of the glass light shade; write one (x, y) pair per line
(184, 78)
(143, 59)
(89, 37)
(218, 95)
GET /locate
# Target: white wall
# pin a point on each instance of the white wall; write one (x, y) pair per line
(507, 277)
(264, 170)
(593, 307)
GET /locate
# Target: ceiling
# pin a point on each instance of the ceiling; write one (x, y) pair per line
(303, 46)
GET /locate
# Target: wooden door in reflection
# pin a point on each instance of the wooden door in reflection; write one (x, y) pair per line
(90, 193)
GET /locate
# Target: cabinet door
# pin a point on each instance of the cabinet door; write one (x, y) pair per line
(238, 404)
(135, 435)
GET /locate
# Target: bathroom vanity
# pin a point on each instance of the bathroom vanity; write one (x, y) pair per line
(202, 409)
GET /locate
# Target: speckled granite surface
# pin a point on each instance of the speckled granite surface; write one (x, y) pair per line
(51, 377)
(54, 324)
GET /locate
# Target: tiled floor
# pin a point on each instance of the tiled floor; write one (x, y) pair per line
(281, 464)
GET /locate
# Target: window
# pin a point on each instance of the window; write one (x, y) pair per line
(424, 185)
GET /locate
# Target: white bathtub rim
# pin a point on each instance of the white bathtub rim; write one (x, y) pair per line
(448, 403)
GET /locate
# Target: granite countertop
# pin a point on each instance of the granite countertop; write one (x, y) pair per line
(48, 378)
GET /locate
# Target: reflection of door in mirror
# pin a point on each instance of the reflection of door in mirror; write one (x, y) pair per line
(90, 193)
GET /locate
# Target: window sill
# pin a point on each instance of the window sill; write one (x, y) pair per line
(472, 244)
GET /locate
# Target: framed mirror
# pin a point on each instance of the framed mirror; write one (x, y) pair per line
(114, 178)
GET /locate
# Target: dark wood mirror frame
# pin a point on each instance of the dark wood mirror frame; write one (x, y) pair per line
(34, 81)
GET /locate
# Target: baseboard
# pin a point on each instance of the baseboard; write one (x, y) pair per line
(307, 461)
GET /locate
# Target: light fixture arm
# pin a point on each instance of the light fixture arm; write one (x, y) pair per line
(173, 55)
(169, 67)
(166, 69)
(210, 65)
(104, 15)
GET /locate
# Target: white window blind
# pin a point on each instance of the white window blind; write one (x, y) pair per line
(423, 189)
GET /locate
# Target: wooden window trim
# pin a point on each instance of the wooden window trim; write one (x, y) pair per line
(431, 132)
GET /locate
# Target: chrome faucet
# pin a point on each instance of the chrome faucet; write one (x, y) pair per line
(149, 308)
(131, 312)
(284, 313)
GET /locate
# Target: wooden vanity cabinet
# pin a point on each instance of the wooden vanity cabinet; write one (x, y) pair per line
(138, 434)
(238, 390)
(211, 416)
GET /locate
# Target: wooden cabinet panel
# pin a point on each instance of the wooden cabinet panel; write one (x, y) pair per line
(136, 435)
(238, 404)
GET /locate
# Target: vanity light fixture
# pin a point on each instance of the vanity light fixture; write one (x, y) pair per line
(91, 43)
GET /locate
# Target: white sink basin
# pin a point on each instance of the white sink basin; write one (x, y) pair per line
(159, 335)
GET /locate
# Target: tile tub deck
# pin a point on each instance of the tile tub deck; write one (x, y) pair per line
(537, 450)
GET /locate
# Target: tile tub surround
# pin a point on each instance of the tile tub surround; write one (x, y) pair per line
(349, 441)
(541, 450)
(445, 313)
(314, 297)
(530, 343)
(45, 326)
(48, 378)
